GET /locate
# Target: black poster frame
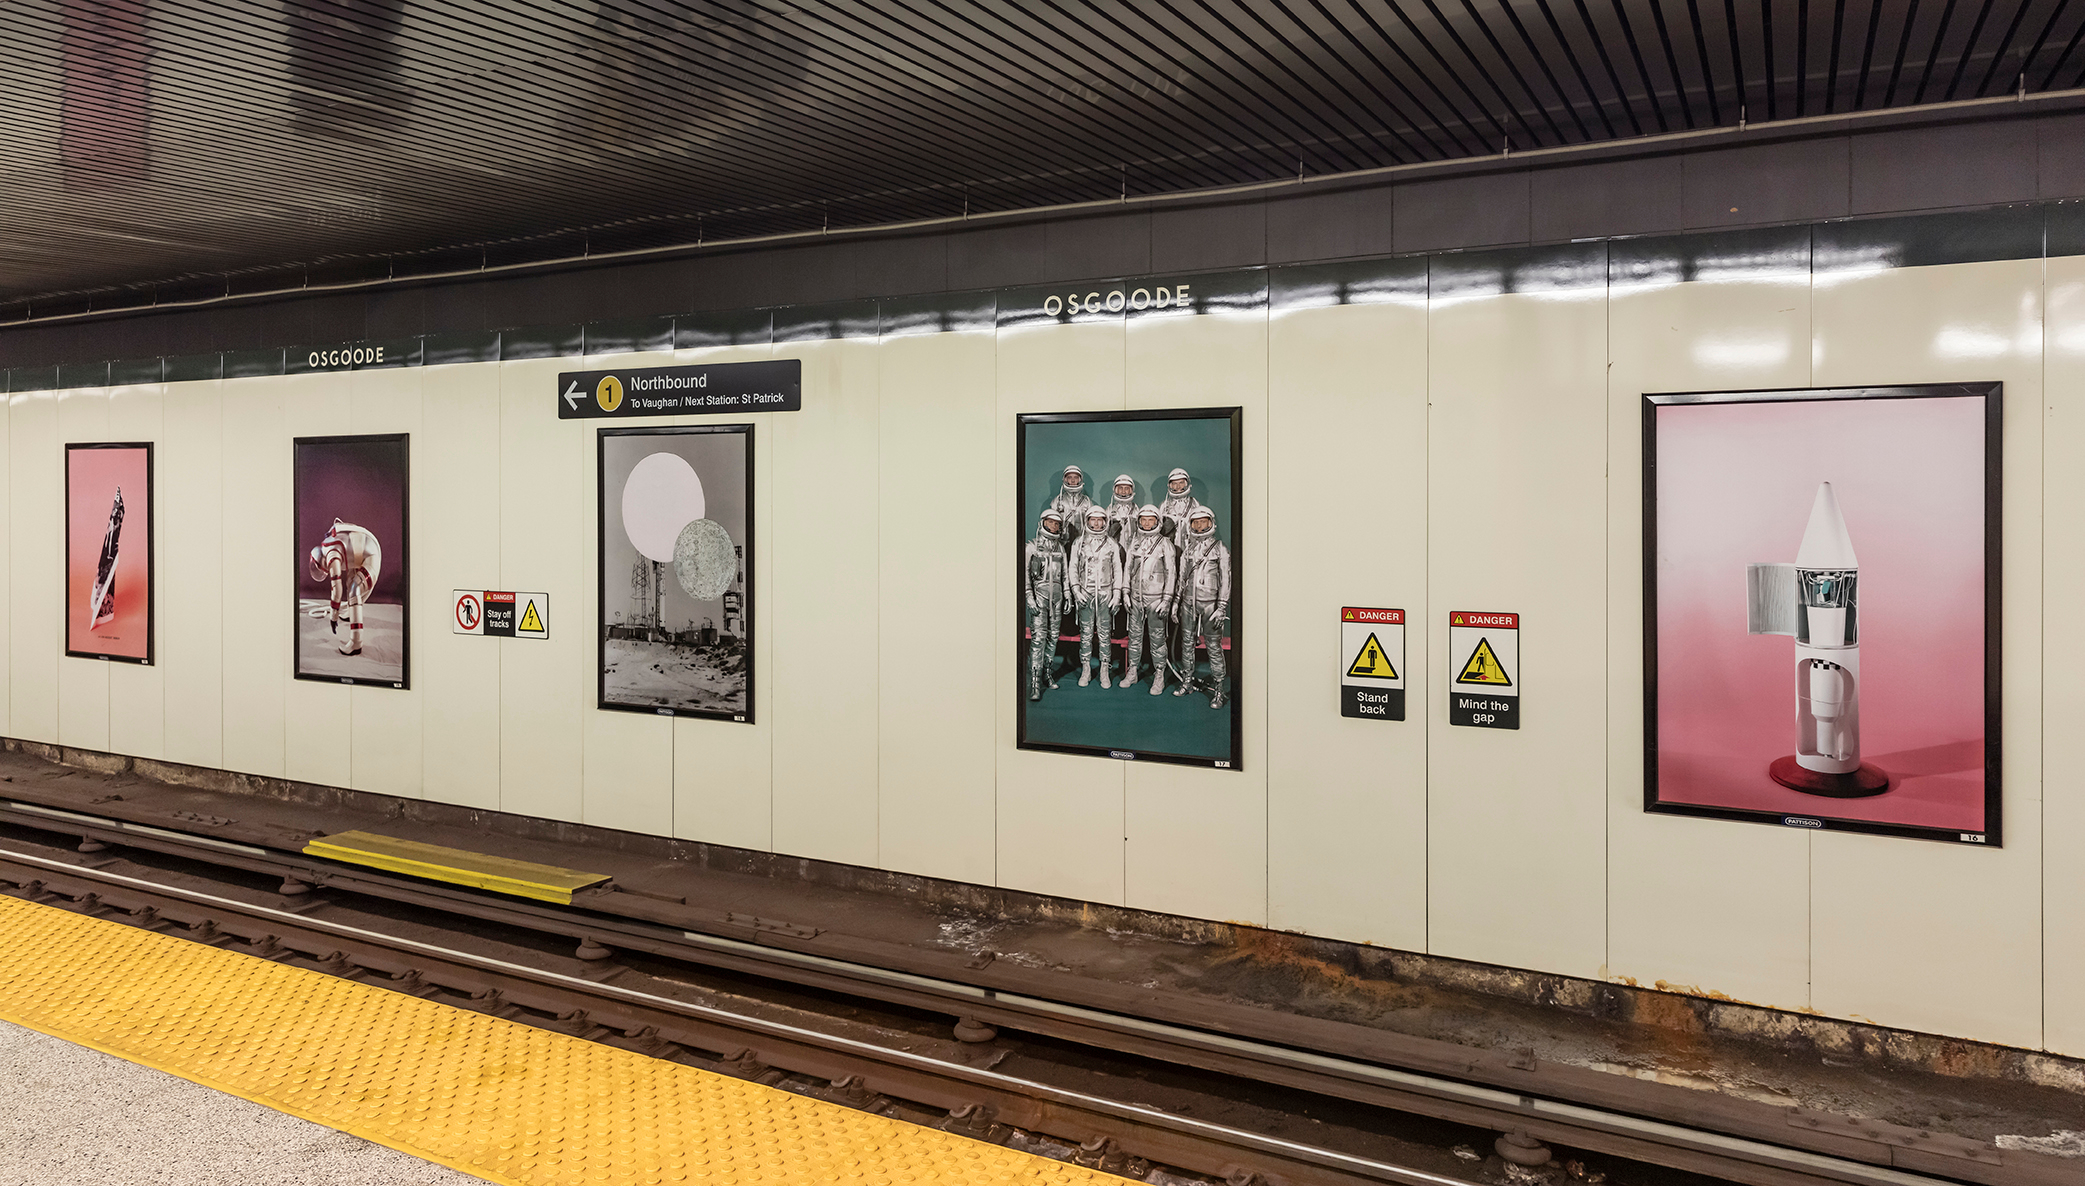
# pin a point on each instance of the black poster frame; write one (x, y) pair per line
(1023, 526)
(151, 559)
(746, 611)
(1993, 521)
(298, 549)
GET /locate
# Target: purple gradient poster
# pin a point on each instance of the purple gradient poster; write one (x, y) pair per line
(352, 559)
(1821, 570)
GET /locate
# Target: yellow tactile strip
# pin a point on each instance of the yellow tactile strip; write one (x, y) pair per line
(525, 879)
(480, 1094)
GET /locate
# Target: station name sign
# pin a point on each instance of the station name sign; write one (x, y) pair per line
(718, 387)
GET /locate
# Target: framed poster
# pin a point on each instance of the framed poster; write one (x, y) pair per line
(1127, 584)
(352, 557)
(108, 552)
(676, 570)
(1821, 608)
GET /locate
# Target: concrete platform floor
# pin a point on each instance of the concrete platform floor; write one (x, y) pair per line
(71, 1114)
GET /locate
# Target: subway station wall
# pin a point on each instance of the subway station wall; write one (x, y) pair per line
(1429, 433)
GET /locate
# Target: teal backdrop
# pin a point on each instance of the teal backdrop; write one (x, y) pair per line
(1128, 718)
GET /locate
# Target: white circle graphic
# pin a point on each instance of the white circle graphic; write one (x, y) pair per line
(662, 496)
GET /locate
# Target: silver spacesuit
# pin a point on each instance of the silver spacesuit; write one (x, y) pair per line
(348, 559)
(1072, 502)
(1205, 603)
(1122, 510)
(1042, 567)
(1173, 511)
(1099, 581)
(1153, 573)
(1178, 504)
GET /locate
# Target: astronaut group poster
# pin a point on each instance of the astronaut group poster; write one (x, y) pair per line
(1127, 585)
(108, 552)
(676, 558)
(352, 559)
(1821, 608)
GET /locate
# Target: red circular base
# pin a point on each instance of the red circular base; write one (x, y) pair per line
(1859, 785)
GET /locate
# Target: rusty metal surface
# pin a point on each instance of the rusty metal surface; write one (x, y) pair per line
(1300, 993)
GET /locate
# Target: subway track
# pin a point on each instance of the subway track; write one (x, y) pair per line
(1141, 1098)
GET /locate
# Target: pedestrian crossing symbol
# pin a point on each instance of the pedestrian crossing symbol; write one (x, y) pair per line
(1372, 663)
(1484, 668)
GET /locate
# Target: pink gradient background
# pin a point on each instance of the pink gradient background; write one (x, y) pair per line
(92, 476)
(1735, 486)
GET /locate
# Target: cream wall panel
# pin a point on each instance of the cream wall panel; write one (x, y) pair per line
(1345, 525)
(1517, 446)
(824, 607)
(317, 720)
(35, 574)
(1693, 904)
(188, 468)
(6, 582)
(456, 545)
(258, 591)
(724, 771)
(1196, 838)
(83, 684)
(936, 627)
(1061, 828)
(627, 770)
(546, 543)
(137, 691)
(385, 746)
(2063, 641)
(1945, 937)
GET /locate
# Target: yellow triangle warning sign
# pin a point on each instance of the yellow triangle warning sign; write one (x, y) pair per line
(1372, 663)
(1483, 667)
(531, 622)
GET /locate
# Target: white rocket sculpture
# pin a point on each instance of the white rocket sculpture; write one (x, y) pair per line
(1816, 600)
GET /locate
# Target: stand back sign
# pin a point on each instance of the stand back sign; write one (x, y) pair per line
(1484, 669)
(1371, 663)
(499, 614)
(775, 385)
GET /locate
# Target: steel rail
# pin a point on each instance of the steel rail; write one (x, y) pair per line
(1740, 1158)
(1119, 1109)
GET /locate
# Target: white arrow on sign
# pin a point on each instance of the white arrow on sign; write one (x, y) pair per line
(572, 395)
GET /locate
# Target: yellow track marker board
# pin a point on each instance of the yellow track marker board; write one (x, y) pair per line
(491, 1097)
(546, 883)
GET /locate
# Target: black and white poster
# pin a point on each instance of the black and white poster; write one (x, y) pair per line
(676, 569)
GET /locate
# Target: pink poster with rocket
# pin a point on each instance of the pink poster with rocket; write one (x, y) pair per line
(1821, 567)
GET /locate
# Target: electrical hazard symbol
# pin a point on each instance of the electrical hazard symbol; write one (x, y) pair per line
(1484, 668)
(1371, 656)
(1372, 663)
(531, 621)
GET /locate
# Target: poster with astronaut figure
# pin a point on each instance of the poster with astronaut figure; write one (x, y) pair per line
(1128, 584)
(1821, 609)
(108, 552)
(676, 563)
(352, 558)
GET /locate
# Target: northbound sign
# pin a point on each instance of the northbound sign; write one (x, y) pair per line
(719, 387)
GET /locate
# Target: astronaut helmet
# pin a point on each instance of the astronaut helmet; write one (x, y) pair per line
(320, 570)
(1097, 519)
(1147, 511)
(1074, 478)
(1122, 481)
(1052, 524)
(1201, 521)
(1178, 476)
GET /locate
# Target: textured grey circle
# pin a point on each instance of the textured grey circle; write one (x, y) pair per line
(703, 559)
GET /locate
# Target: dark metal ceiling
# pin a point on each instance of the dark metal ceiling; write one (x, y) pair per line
(161, 150)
